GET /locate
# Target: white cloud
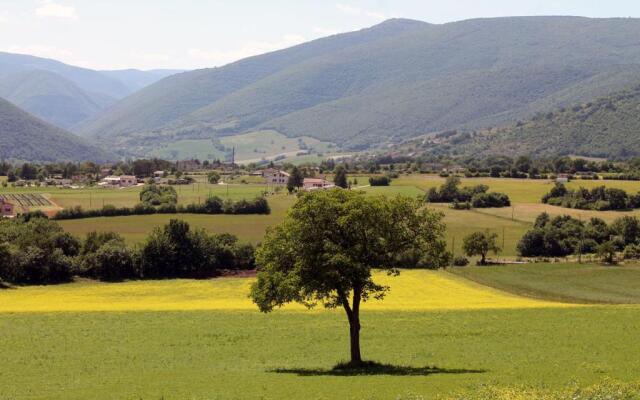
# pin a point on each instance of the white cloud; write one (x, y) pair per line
(51, 9)
(3, 18)
(252, 48)
(349, 9)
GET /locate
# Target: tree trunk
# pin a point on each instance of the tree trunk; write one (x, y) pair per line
(354, 331)
(353, 314)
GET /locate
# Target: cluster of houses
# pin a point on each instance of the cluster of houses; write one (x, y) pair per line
(278, 177)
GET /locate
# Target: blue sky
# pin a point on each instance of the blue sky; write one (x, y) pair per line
(187, 34)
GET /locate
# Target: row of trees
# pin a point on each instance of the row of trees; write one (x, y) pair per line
(564, 235)
(38, 251)
(599, 198)
(212, 205)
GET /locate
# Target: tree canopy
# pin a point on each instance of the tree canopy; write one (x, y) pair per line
(329, 243)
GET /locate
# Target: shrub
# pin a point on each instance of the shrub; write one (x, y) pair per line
(457, 205)
(112, 262)
(490, 200)
(632, 252)
(460, 261)
(379, 181)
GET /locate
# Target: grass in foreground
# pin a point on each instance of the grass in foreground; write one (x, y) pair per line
(436, 334)
(290, 355)
(576, 283)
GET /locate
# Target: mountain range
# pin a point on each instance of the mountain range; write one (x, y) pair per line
(24, 137)
(393, 81)
(363, 90)
(66, 95)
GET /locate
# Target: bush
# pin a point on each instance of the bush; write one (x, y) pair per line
(379, 181)
(457, 205)
(460, 261)
(112, 262)
(632, 252)
(490, 200)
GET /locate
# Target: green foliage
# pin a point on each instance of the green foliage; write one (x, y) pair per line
(564, 235)
(36, 252)
(480, 244)
(159, 195)
(213, 177)
(112, 262)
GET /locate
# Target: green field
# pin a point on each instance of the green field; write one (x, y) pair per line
(441, 334)
(562, 282)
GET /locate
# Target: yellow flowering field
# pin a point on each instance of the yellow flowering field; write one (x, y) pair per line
(415, 290)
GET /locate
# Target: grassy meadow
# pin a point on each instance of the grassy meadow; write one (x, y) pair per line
(440, 333)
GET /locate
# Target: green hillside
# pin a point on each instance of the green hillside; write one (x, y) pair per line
(393, 81)
(608, 127)
(26, 138)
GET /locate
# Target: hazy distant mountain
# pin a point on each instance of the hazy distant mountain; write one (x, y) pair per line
(65, 95)
(395, 80)
(51, 97)
(605, 127)
(86, 79)
(135, 79)
(26, 138)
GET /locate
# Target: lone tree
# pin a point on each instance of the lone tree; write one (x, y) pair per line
(296, 180)
(329, 243)
(480, 244)
(213, 177)
(340, 179)
(607, 252)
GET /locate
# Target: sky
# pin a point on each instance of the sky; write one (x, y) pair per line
(190, 34)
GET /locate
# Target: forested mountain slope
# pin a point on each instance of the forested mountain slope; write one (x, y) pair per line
(26, 138)
(395, 80)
